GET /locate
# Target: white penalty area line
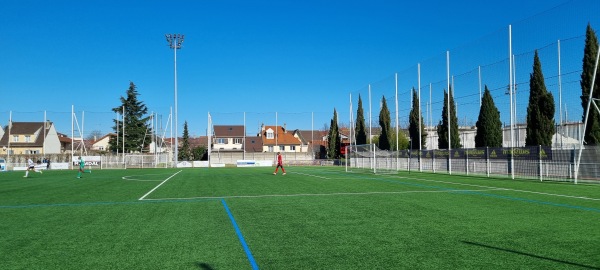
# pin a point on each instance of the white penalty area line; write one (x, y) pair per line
(497, 188)
(327, 194)
(312, 175)
(158, 186)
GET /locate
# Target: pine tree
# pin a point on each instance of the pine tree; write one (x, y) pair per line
(137, 129)
(385, 124)
(592, 128)
(185, 151)
(540, 110)
(333, 142)
(442, 127)
(489, 126)
(361, 130)
(413, 127)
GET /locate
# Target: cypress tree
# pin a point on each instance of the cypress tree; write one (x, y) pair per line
(333, 142)
(185, 151)
(540, 110)
(592, 128)
(385, 124)
(361, 131)
(136, 123)
(489, 126)
(442, 127)
(413, 126)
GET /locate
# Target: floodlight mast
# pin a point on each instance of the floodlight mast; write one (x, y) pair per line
(175, 41)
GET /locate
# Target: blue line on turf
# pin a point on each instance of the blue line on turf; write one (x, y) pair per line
(240, 236)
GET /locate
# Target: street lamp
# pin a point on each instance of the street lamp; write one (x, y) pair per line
(175, 41)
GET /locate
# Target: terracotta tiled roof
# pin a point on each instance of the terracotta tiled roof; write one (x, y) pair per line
(282, 137)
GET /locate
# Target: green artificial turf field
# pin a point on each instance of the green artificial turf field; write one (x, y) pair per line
(311, 218)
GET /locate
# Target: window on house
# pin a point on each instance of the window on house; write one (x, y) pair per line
(270, 148)
(27, 138)
(221, 141)
(281, 148)
(293, 147)
(237, 141)
(270, 134)
(15, 138)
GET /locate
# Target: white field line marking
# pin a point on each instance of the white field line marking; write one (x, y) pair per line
(128, 178)
(323, 177)
(327, 194)
(556, 195)
(497, 188)
(158, 186)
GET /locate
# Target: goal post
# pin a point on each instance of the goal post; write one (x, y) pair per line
(359, 157)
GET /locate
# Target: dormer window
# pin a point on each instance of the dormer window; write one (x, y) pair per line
(270, 134)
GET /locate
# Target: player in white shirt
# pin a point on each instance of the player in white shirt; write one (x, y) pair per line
(30, 167)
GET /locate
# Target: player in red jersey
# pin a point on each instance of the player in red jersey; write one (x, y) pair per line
(279, 164)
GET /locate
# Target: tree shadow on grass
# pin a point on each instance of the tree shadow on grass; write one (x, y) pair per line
(532, 255)
(203, 266)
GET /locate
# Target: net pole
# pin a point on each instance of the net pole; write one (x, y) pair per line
(8, 140)
(244, 139)
(560, 121)
(350, 134)
(125, 167)
(479, 77)
(510, 91)
(347, 157)
(420, 116)
(372, 146)
(44, 141)
(72, 133)
(397, 129)
(448, 111)
(83, 149)
(312, 133)
(587, 112)
(370, 125)
(209, 131)
(117, 124)
(171, 131)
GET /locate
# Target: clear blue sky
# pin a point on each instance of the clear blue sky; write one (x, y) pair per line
(260, 57)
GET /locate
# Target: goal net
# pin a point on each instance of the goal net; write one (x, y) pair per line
(369, 158)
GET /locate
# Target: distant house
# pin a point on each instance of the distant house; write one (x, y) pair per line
(253, 144)
(102, 143)
(30, 138)
(228, 138)
(65, 142)
(279, 139)
(314, 139)
(167, 144)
